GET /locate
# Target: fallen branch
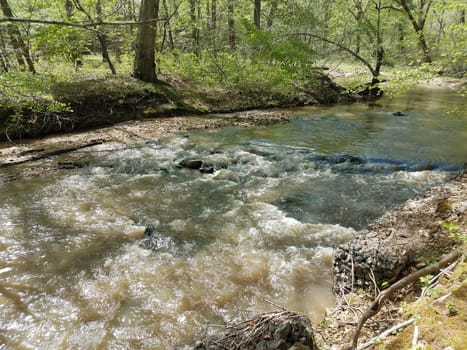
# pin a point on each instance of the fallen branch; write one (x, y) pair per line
(414, 277)
(384, 334)
(52, 153)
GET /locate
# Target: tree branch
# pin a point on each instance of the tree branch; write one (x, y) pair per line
(376, 305)
(342, 47)
(83, 25)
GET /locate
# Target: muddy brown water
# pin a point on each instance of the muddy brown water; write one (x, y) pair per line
(77, 273)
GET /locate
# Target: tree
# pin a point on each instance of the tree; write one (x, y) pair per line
(257, 14)
(231, 24)
(145, 60)
(101, 36)
(421, 8)
(20, 47)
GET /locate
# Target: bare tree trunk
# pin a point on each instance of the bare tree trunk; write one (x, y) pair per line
(4, 61)
(214, 16)
(231, 24)
(194, 26)
(272, 12)
(102, 37)
(257, 14)
(20, 47)
(145, 63)
(68, 8)
(167, 34)
(379, 50)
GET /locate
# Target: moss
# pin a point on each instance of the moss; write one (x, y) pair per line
(441, 323)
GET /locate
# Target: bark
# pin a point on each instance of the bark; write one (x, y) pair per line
(231, 24)
(102, 37)
(214, 16)
(167, 29)
(194, 26)
(145, 65)
(379, 48)
(257, 14)
(272, 12)
(4, 62)
(22, 50)
(68, 8)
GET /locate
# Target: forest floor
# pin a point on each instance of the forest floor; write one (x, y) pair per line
(441, 213)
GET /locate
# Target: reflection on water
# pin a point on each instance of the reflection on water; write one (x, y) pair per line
(75, 271)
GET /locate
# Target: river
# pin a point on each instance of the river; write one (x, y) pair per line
(76, 271)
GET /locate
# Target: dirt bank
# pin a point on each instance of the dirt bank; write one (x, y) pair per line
(403, 240)
(18, 152)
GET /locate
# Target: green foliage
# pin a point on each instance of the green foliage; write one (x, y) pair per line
(62, 42)
(25, 98)
(425, 281)
(453, 230)
(286, 51)
(226, 71)
(451, 309)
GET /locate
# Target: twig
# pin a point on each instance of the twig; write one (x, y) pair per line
(415, 336)
(376, 305)
(384, 334)
(274, 304)
(443, 298)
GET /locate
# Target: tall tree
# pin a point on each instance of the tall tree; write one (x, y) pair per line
(145, 60)
(257, 14)
(101, 35)
(20, 47)
(417, 13)
(231, 24)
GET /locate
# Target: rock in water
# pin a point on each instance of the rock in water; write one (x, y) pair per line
(154, 240)
(191, 164)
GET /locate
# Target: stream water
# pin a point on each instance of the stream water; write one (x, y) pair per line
(77, 273)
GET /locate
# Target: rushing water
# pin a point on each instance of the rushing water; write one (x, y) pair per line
(76, 273)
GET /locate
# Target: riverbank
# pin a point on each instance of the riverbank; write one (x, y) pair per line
(402, 241)
(85, 102)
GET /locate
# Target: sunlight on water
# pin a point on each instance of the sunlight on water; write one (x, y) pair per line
(77, 272)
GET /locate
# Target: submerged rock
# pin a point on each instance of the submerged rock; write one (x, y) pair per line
(197, 164)
(154, 240)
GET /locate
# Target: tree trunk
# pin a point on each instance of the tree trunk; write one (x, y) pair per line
(418, 25)
(167, 34)
(214, 16)
(145, 64)
(68, 8)
(4, 61)
(20, 47)
(102, 37)
(379, 50)
(194, 26)
(231, 24)
(272, 12)
(257, 14)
